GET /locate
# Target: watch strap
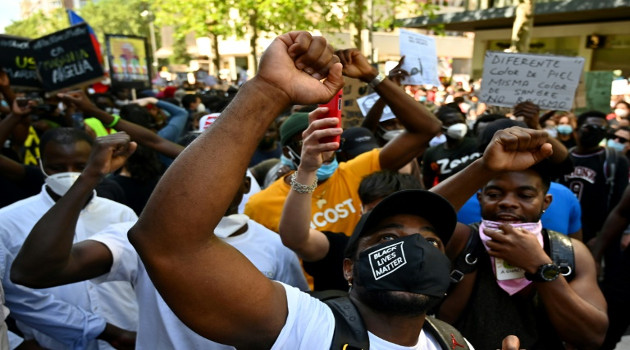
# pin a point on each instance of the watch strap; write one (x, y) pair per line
(377, 80)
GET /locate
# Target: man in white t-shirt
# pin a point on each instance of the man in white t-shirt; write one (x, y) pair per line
(217, 293)
(108, 255)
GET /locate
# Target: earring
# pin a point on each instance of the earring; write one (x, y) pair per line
(543, 211)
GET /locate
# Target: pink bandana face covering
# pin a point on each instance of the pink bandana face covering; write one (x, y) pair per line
(510, 278)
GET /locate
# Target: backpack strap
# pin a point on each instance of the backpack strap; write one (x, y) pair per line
(350, 332)
(561, 252)
(466, 262)
(448, 337)
(610, 168)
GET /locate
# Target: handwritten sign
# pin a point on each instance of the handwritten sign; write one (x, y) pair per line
(66, 58)
(598, 87)
(367, 102)
(18, 62)
(548, 81)
(420, 58)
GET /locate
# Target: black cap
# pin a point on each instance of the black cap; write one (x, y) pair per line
(357, 140)
(425, 204)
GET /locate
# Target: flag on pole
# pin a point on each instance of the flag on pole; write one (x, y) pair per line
(76, 19)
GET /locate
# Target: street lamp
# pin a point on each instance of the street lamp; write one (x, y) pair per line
(147, 13)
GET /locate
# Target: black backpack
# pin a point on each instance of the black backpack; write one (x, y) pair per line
(351, 334)
(558, 246)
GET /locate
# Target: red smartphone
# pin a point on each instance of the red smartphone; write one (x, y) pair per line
(334, 111)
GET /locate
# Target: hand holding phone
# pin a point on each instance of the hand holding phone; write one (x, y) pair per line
(334, 111)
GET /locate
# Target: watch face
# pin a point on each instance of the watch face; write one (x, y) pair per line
(549, 272)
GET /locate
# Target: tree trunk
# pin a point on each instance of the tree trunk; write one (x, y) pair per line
(523, 26)
(216, 59)
(359, 24)
(253, 41)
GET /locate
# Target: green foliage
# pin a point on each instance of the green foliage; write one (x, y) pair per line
(39, 24)
(117, 17)
(104, 16)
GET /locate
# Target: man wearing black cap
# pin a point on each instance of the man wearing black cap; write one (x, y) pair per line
(335, 202)
(220, 295)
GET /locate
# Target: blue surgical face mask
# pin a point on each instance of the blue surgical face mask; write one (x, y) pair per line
(615, 145)
(288, 162)
(422, 99)
(326, 170)
(564, 129)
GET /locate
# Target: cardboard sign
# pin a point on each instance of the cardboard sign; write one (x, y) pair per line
(66, 59)
(353, 89)
(366, 102)
(18, 62)
(598, 87)
(546, 80)
(420, 58)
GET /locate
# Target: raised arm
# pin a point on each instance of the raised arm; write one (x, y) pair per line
(295, 224)
(9, 168)
(420, 124)
(510, 149)
(529, 111)
(221, 295)
(138, 133)
(48, 257)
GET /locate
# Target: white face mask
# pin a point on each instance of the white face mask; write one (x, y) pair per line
(457, 131)
(437, 140)
(392, 134)
(230, 224)
(201, 108)
(621, 113)
(60, 183)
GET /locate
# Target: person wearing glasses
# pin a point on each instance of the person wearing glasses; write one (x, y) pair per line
(619, 140)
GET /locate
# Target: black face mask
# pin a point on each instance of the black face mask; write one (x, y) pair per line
(408, 264)
(591, 137)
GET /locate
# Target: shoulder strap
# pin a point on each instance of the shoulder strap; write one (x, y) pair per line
(610, 168)
(466, 262)
(448, 337)
(350, 332)
(561, 252)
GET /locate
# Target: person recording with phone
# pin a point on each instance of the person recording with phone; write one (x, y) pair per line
(336, 205)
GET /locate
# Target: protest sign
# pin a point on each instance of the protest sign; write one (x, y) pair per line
(420, 58)
(66, 59)
(598, 86)
(367, 102)
(128, 61)
(350, 111)
(546, 80)
(18, 62)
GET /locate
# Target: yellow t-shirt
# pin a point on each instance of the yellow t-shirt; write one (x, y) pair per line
(335, 205)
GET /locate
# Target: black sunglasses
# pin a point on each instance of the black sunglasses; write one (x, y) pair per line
(593, 127)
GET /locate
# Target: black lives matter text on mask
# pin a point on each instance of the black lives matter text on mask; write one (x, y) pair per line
(546, 80)
(387, 260)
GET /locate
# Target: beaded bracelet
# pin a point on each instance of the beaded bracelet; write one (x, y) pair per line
(300, 188)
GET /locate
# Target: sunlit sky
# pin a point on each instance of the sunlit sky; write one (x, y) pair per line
(9, 11)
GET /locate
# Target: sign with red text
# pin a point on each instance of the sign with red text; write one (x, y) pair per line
(546, 80)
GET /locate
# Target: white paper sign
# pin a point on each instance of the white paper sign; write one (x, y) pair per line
(420, 58)
(546, 80)
(367, 102)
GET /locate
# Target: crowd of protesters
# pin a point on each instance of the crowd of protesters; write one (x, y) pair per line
(214, 217)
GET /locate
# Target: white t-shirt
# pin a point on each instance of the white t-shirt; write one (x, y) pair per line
(311, 324)
(66, 313)
(159, 328)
